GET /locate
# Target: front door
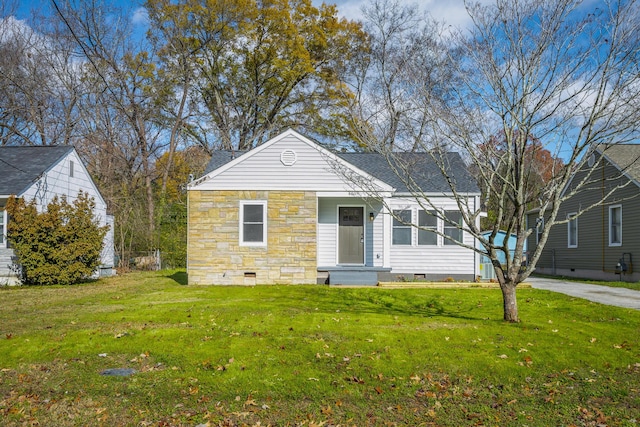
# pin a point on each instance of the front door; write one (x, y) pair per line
(351, 235)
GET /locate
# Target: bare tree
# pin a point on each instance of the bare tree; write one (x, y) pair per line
(176, 81)
(125, 96)
(405, 56)
(40, 84)
(557, 72)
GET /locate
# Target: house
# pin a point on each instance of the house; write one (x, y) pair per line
(41, 173)
(601, 242)
(293, 212)
(487, 271)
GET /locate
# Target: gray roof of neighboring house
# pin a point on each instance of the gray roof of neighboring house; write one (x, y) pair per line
(423, 170)
(220, 158)
(625, 156)
(21, 166)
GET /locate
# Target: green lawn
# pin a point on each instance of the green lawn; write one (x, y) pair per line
(312, 356)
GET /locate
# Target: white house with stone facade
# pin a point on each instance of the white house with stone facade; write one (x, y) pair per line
(293, 212)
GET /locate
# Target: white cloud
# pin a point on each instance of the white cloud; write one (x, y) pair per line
(140, 16)
(451, 12)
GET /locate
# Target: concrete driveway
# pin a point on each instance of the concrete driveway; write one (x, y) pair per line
(620, 297)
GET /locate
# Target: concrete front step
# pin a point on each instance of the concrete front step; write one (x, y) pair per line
(353, 275)
(365, 278)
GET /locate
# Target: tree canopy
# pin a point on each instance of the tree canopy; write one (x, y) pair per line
(262, 67)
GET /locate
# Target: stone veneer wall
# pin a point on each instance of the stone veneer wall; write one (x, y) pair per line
(215, 256)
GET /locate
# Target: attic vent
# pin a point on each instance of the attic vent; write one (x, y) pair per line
(288, 157)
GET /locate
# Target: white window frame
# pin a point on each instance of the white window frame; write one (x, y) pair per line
(428, 229)
(572, 220)
(613, 242)
(448, 226)
(71, 168)
(401, 225)
(244, 203)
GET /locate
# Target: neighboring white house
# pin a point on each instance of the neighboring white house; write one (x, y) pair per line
(41, 173)
(291, 211)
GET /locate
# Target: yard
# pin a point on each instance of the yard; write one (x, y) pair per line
(312, 356)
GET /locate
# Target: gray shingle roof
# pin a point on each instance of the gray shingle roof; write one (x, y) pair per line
(422, 169)
(415, 172)
(220, 158)
(21, 166)
(625, 156)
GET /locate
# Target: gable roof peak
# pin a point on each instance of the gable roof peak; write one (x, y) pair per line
(23, 165)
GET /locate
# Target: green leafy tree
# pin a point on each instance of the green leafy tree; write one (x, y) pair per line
(60, 246)
(263, 66)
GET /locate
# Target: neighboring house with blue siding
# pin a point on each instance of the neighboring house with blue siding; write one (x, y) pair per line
(487, 271)
(41, 173)
(602, 242)
(291, 211)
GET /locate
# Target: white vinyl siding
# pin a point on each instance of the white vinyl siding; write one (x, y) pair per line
(253, 223)
(615, 225)
(57, 182)
(437, 259)
(402, 228)
(2, 230)
(313, 170)
(572, 230)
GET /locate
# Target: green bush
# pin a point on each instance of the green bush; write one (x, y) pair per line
(60, 246)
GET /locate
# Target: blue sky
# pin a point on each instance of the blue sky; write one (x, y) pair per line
(451, 11)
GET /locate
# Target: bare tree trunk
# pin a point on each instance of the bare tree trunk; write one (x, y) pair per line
(148, 183)
(175, 130)
(510, 303)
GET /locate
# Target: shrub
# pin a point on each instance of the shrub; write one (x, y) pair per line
(61, 245)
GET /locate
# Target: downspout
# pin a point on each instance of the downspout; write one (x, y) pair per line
(188, 231)
(477, 274)
(603, 222)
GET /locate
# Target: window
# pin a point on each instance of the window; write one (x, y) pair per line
(452, 227)
(427, 221)
(1, 228)
(572, 230)
(615, 225)
(402, 227)
(253, 223)
(71, 168)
